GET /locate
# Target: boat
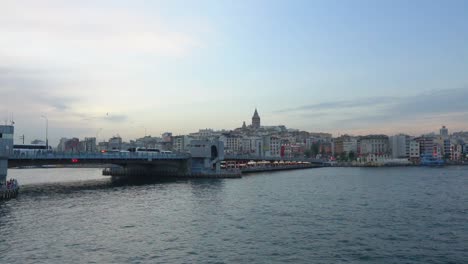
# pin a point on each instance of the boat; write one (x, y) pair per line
(431, 161)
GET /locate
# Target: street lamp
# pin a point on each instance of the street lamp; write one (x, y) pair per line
(47, 131)
(97, 141)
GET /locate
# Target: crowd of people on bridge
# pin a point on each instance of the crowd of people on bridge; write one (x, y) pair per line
(11, 184)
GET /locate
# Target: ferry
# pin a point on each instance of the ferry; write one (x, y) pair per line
(430, 160)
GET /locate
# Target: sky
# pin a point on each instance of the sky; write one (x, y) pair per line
(108, 67)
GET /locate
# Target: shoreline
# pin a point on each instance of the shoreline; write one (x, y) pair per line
(389, 165)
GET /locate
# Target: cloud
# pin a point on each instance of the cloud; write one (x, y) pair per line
(115, 118)
(61, 30)
(416, 112)
(344, 104)
(31, 89)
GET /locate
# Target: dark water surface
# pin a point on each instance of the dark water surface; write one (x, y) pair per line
(328, 215)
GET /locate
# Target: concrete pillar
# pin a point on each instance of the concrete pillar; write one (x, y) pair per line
(6, 149)
(3, 169)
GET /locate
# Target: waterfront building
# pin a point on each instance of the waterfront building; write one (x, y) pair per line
(414, 150)
(181, 143)
(461, 136)
(426, 144)
(345, 144)
(375, 159)
(444, 144)
(400, 146)
(206, 134)
(167, 137)
(115, 143)
(89, 144)
(252, 145)
(102, 146)
(232, 143)
(320, 136)
(374, 144)
(255, 120)
(292, 150)
(71, 145)
(147, 142)
(437, 151)
(166, 143)
(61, 145)
(272, 146)
(456, 152)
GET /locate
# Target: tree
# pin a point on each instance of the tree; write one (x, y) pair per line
(315, 148)
(351, 156)
(446, 156)
(343, 157)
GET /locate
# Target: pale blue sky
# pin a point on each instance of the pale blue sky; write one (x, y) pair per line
(332, 66)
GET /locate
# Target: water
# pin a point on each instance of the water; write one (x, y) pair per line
(327, 215)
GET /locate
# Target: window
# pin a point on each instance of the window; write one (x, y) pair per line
(6, 136)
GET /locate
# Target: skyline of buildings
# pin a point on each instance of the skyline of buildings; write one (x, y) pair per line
(280, 141)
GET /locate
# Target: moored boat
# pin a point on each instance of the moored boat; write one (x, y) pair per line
(431, 161)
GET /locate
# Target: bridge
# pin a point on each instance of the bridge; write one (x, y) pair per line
(125, 158)
(119, 158)
(126, 164)
(137, 165)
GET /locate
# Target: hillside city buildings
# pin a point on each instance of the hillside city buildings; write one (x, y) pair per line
(280, 141)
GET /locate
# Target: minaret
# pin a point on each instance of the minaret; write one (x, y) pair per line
(244, 126)
(255, 120)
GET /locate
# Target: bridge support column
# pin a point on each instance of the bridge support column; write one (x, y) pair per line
(6, 149)
(150, 171)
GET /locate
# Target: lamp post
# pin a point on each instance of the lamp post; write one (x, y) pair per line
(97, 141)
(47, 131)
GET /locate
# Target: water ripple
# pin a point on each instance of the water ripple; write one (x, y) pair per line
(330, 215)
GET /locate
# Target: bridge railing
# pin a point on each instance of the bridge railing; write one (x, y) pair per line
(84, 156)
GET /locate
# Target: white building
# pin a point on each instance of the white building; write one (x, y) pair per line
(374, 144)
(272, 146)
(89, 144)
(400, 146)
(414, 149)
(444, 132)
(115, 142)
(181, 143)
(232, 143)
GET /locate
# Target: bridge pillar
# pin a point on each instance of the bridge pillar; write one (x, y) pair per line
(6, 149)
(206, 156)
(151, 170)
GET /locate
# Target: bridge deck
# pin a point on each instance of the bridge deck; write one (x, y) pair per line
(94, 156)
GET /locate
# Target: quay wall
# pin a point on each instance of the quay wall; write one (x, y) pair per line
(278, 168)
(7, 194)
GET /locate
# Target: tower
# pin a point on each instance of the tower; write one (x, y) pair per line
(255, 120)
(444, 132)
